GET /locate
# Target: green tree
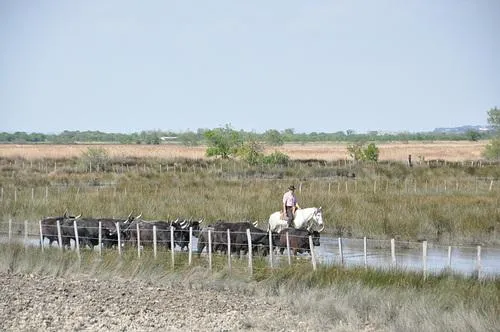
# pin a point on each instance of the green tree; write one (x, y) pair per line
(359, 152)
(371, 152)
(223, 142)
(273, 137)
(473, 135)
(492, 150)
(251, 151)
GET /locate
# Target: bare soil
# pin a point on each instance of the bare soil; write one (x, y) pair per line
(393, 151)
(78, 303)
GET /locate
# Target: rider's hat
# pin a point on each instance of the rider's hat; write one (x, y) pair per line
(292, 187)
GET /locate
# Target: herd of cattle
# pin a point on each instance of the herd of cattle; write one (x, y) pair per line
(112, 232)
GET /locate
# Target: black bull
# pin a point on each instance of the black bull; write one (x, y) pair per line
(88, 231)
(163, 232)
(237, 236)
(298, 239)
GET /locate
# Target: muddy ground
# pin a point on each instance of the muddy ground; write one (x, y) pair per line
(38, 302)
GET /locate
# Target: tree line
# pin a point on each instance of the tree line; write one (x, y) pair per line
(199, 137)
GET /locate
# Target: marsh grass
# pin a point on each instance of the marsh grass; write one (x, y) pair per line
(385, 200)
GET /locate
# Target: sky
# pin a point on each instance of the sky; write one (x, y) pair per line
(312, 66)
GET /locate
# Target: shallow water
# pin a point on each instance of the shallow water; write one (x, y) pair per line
(408, 255)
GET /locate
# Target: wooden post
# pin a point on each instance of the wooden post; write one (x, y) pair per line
(100, 238)
(365, 252)
(25, 233)
(313, 256)
(154, 240)
(478, 262)
(375, 186)
(288, 249)
(77, 240)
(250, 261)
(270, 249)
(190, 245)
(229, 251)
(172, 245)
(341, 252)
(119, 238)
(59, 235)
(138, 240)
(449, 257)
(393, 251)
(41, 234)
(10, 230)
(491, 185)
(210, 249)
(424, 258)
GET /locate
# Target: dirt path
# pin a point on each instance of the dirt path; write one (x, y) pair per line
(34, 302)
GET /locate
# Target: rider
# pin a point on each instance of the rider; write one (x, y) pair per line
(290, 205)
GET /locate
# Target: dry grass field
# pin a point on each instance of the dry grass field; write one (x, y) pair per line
(393, 151)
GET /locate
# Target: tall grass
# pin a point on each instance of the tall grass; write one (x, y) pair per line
(385, 200)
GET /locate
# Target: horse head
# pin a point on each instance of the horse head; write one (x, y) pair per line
(318, 218)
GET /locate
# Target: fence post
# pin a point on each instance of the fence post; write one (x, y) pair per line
(10, 230)
(364, 252)
(491, 185)
(449, 257)
(41, 234)
(393, 251)
(59, 234)
(229, 250)
(172, 245)
(190, 245)
(250, 261)
(100, 238)
(154, 241)
(288, 249)
(25, 233)
(77, 240)
(313, 256)
(478, 262)
(119, 238)
(138, 240)
(424, 258)
(341, 252)
(210, 249)
(271, 249)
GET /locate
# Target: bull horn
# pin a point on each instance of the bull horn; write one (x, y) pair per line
(140, 215)
(201, 220)
(129, 215)
(322, 228)
(65, 215)
(255, 223)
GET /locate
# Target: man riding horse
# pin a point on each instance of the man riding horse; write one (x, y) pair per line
(290, 205)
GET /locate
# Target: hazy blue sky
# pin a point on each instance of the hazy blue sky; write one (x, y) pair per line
(315, 66)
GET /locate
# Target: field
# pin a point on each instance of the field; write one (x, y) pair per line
(396, 151)
(446, 203)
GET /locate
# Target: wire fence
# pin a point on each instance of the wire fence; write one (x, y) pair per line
(277, 250)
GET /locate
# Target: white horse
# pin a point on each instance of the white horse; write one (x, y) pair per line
(309, 219)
